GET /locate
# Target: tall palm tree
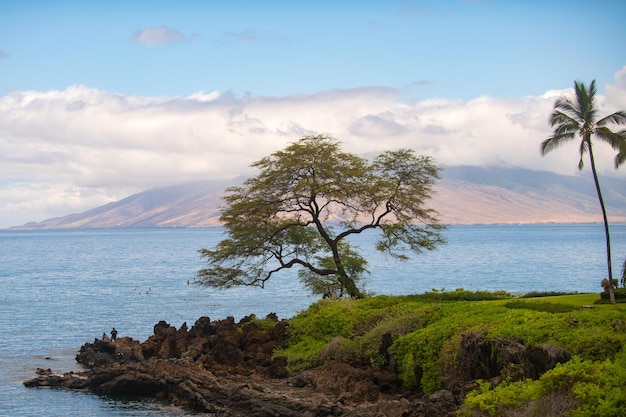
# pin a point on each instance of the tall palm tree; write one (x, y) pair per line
(620, 159)
(572, 118)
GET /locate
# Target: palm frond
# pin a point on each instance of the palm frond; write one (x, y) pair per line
(552, 143)
(565, 108)
(619, 118)
(568, 129)
(615, 139)
(585, 102)
(620, 158)
(582, 150)
(562, 117)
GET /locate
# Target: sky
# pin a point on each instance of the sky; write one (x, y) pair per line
(103, 99)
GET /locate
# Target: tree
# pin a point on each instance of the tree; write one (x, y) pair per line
(619, 160)
(572, 118)
(305, 204)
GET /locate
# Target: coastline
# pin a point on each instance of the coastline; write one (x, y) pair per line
(247, 368)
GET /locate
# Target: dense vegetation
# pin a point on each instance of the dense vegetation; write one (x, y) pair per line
(425, 331)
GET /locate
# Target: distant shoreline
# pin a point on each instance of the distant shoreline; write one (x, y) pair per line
(31, 228)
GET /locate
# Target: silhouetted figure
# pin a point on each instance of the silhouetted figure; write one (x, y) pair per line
(113, 334)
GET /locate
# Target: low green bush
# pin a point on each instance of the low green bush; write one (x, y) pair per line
(537, 294)
(620, 294)
(541, 306)
(358, 324)
(459, 294)
(596, 387)
(264, 325)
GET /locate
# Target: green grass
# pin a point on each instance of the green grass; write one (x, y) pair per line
(575, 299)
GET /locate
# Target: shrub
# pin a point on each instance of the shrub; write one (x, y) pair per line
(333, 328)
(460, 294)
(422, 336)
(538, 294)
(596, 388)
(264, 325)
(541, 306)
(620, 294)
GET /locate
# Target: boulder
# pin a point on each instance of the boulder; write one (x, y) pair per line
(347, 383)
(441, 404)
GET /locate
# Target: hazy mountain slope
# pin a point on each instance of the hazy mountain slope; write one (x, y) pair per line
(194, 204)
(471, 195)
(464, 195)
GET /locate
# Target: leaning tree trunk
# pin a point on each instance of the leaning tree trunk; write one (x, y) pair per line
(343, 278)
(346, 281)
(606, 224)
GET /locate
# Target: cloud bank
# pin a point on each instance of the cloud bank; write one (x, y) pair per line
(71, 150)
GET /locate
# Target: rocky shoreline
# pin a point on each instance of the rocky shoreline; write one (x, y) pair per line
(225, 368)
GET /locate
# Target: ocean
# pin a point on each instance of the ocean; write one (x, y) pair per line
(63, 288)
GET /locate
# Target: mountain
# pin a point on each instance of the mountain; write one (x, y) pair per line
(195, 204)
(463, 195)
(491, 195)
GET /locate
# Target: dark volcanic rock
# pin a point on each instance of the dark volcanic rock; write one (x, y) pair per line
(478, 357)
(441, 404)
(228, 369)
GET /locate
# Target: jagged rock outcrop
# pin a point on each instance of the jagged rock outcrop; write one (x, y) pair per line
(477, 357)
(228, 369)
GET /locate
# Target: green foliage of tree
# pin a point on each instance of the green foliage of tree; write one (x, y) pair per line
(578, 118)
(305, 203)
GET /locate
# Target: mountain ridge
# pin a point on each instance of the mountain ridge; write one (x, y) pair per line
(463, 195)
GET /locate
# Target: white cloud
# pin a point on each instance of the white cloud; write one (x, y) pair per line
(157, 36)
(615, 93)
(381, 126)
(67, 151)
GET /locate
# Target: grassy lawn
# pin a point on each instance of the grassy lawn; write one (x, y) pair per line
(578, 300)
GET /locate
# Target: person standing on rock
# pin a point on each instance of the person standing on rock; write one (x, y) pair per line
(113, 334)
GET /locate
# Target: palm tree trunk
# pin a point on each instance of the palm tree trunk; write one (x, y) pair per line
(606, 223)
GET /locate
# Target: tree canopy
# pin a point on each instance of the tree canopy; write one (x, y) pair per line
(305, 203)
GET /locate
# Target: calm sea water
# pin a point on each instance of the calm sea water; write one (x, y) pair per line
(60, 289)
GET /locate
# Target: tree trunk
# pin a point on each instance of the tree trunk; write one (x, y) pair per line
(342, 276)
(624, 273)
(606, 224)
(350, 286)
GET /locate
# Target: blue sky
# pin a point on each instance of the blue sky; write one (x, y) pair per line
(452, 49)
(101, 99)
